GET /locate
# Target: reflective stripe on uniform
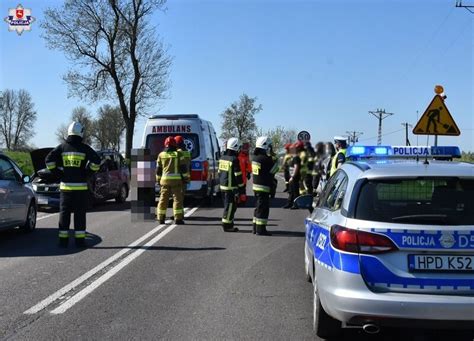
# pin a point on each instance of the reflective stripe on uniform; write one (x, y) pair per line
(261, 188)
(63, 234)
(94, 166)
(238, 173)
(275, 168)
(178, 211)
(260, 221)
(161, 212)
(80, 234)
(225, 221)
(73, 186)
(51, 165)
(171, 176)
(227, 188)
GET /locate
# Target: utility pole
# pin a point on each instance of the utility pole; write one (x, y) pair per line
(406, 125)
(380, 114)
(470, 8)
(354, 136)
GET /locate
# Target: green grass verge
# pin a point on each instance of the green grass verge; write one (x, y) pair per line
(23, 160)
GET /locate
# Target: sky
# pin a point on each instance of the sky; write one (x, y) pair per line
(318, 65)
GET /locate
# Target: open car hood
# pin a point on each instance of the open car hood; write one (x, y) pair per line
(38, 156)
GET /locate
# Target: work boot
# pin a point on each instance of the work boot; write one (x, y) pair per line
(229, 228)
(63, 242)
(254, 228)
(80, 242)
(179, 222)
(262, 231)
(161, 219)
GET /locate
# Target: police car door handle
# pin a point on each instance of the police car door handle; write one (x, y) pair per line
(316, 221)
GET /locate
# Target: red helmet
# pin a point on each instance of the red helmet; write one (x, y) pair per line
(299, 145)
(179, 140)
(287, 146)
(170, 142)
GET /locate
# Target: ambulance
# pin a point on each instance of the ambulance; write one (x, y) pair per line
(200, 140)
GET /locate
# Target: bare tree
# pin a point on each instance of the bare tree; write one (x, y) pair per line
(17, 118)
(238, 120)
(115, 53)
(84, 117)
(108, 128)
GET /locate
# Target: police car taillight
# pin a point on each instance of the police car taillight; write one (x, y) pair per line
(355, 241)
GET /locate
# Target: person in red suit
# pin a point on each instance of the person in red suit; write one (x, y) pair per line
(246, 168)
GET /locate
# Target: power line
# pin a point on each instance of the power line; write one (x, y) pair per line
(469, 8)
(380, 114)
(386, 134)
(354, 136)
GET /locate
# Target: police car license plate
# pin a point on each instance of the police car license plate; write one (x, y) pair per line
(441, 263)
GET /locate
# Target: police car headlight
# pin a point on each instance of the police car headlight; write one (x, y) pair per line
(35, 187)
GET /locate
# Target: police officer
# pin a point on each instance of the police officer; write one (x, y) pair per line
(185, 158)
(231, 184)
(295, 177)
(172, 174)
(341, 146)
(286, 165)
(264, 168)
(78, 160)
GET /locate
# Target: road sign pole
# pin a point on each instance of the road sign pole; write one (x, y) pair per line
(436, 141)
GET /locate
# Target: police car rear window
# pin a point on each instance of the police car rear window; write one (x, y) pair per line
(425, 201)
(155, 142)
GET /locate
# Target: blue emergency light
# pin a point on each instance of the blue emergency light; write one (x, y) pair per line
(358, 152)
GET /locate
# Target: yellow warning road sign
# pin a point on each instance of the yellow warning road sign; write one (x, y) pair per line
(436, 120)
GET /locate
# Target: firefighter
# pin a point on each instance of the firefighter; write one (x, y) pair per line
(295, 177)
(319, 155)
(341, 146)
(78, 161)
(304, 166)
(286, 165)
(264, 168)
(308, 180)
(246, 168)
(231, 184)
(171, 174)
(185, 158)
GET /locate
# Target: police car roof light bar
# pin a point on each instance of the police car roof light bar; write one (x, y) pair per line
(365, 152)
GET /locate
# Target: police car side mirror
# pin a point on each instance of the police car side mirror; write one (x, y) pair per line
(26, 179)
(304, 202)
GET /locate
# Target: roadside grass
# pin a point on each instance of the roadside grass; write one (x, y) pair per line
(23, 160)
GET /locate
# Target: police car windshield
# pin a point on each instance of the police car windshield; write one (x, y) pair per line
(417, 201)
(155, 142)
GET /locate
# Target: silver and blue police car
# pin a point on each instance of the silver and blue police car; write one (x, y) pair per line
(391, 242)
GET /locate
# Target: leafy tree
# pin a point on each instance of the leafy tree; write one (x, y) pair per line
(17, 119)
(84, 117)
(279, 136)
(108, 128)
(238, 120)
(114, 51)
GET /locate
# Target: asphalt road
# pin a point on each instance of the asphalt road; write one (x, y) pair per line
(141, 281)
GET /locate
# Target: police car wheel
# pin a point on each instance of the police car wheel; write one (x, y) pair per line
(323, 325)
(30, 223)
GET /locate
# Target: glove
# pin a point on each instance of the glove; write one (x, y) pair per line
(248, 176)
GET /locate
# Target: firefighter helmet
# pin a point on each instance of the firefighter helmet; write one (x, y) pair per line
(233, 144)
(75, 128)
(170, 142)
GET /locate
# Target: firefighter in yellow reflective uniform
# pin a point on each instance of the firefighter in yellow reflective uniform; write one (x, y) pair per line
(185, 158)
(78, 161)
(231, 183)
(304, 165)
(337, 160)
(286, 166)
(171, 174)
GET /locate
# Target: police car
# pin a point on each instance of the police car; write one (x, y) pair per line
(391, 241)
